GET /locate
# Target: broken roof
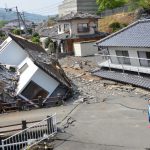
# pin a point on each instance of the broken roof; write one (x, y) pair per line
(134, 35)
(49, 32)
(43, 60)
(78, 15)
(8, 80)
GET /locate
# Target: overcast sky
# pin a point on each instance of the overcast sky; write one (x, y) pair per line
(43, 7)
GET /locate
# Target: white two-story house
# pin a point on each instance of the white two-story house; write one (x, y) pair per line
(39, 75)
(127, 51)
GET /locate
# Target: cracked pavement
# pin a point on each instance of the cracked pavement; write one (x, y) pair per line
(110, 116)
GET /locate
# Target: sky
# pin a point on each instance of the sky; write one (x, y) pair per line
(43, 7)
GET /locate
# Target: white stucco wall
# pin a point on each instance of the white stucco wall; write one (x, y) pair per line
(27, 74)
(133, 52)
(85, 48)
(45, 81)
(74, 24)
(12, 54)
(37, 75)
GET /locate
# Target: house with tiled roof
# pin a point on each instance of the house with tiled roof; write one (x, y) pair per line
(39, 75)
(77, 32)
(127, 51)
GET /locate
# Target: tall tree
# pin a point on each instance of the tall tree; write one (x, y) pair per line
(110, 4)
(145, 4)
(134, 4)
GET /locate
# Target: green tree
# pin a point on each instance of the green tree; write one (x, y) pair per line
(47, 41)
(35, 34)
(2, 23)
(51, 48)
(145, 4)
(106, 4)
(134, 4)
(16, 31)
(35, 40)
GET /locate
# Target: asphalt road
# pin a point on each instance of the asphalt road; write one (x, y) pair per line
(117, 124)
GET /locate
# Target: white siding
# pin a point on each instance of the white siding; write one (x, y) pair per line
(12, 54)
(26, 76)
(38, 76)
(74, 26)
(85, 48)
(133, 52)
(45, 81)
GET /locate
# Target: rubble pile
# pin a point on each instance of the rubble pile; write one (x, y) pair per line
(8, 82)
(90, 89)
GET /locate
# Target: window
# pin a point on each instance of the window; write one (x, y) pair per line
(59, 28)
(23, 68)
(83, 27)
(33, 90)
(123, 60)
(144, 55)
(66, 27)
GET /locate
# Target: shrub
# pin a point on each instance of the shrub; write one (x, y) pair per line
(35, 34)
(16, 31)
(35, 40)
(115, 25)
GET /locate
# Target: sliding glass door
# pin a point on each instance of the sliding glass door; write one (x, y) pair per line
(143, 58)
(123, 59)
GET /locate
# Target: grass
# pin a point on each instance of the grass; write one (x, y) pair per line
(103, 24)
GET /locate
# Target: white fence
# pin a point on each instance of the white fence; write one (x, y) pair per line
(32, 135)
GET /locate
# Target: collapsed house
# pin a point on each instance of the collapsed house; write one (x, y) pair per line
(39, 75)
(126, 55)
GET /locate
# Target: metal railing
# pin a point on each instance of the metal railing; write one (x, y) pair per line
(31, 136)
(140, 65)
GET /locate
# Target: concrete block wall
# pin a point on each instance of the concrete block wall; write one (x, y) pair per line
(77, 6)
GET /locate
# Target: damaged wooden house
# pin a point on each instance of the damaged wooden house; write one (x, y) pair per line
(38, 74)
(76, 33)
(126, 55)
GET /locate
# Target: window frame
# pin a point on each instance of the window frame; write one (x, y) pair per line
(23, 68)
(84, 29)
(123, 59)
(66, 27)
(144, 63)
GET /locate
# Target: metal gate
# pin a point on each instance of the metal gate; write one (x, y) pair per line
(31, 136)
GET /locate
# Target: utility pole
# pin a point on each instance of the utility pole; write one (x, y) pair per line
(23, 21)
(19, 18)
(18, 14)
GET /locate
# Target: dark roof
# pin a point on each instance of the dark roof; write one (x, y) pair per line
(133, 79)
(64, 36)
(134, 35)
(49, 32)
(77, 15)
(8, 80)
(43, 60)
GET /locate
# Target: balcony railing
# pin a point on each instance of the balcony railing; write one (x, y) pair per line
(140, 65)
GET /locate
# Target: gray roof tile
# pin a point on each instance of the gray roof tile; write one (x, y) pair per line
(135, 35)
(78, 15)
